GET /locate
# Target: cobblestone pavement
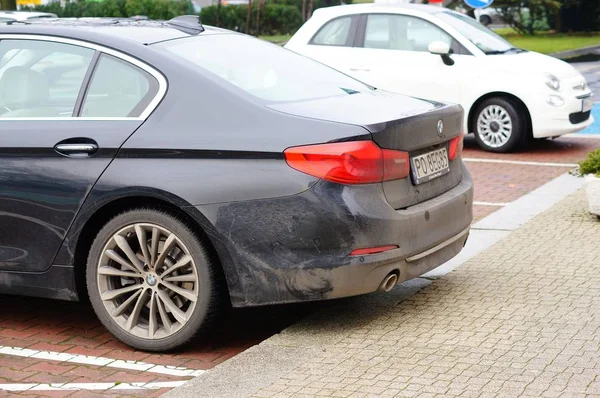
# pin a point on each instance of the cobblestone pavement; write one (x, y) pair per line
(520, 319)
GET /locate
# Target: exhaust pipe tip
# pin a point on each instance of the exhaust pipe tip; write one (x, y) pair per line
(388, 282)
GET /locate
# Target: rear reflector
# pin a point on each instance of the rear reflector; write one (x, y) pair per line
(353, 162)
(456, 146)
(373, 250)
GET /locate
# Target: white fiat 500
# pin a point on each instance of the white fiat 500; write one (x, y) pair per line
(509, 94)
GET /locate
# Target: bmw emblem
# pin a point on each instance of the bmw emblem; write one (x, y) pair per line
(151, 280)
(440, 128)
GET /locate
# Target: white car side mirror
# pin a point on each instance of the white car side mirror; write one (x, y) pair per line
(439, 48)
(442, 49)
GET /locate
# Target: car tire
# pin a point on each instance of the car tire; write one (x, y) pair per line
(171, 293)
(499, 126)
(485, 20)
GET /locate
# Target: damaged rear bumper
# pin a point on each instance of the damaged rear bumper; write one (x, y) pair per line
(297, 248)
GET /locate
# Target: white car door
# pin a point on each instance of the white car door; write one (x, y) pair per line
(392, 53)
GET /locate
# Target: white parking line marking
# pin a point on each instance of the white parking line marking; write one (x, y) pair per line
(52, 356)
(16, 387)
(519, 162)
(131, 365)
(495, 204)
(152, 385)
(91, 386)
(87, 360)
(100, 361)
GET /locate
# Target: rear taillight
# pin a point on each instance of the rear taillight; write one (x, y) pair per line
(354, 162)
(456, 146)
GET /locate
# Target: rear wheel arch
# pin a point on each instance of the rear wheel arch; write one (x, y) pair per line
(504, 95)
(109, 210)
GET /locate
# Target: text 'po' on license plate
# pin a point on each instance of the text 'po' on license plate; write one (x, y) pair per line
(430, 165)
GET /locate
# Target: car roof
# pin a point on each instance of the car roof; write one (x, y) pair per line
(379, 7)
(144, 32)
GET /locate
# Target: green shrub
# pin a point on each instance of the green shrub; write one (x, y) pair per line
(158, 9)
(591, 165)
(279, 19)
(274, 18)
(232, 17)
(153, 9)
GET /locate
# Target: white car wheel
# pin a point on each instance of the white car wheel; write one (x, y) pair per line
(498, 125)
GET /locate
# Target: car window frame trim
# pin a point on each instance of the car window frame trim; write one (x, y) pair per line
(152, 105)
(87, 79)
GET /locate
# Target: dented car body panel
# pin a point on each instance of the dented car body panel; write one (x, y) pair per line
(297, 248)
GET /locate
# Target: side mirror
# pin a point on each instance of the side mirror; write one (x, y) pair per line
(439, 48)
(442, 49)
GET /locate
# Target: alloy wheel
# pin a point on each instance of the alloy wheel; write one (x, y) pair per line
(148, 281)
(494, 126)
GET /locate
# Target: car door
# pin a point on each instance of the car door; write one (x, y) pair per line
(392, 54)
(65, 109)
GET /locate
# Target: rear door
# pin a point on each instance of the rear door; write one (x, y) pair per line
(65, 109)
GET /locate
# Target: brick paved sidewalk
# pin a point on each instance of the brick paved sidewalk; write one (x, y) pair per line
(520, 319)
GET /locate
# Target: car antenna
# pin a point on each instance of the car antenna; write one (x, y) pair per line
(189, 24)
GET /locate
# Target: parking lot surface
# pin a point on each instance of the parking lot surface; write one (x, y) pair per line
(52, 348)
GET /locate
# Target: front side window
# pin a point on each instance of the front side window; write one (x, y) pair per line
(263, 70)
(118, 89)
(402, 32)
(41, 78)
(334, 33)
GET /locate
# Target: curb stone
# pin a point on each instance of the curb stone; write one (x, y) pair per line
(564, 55)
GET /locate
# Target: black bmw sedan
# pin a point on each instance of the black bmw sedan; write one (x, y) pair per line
(165, 169)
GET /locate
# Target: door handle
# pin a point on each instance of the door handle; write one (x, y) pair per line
(76, 149)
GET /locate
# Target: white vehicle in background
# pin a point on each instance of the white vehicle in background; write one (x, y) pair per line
(24, 15)
(487, 16)
(509, 95)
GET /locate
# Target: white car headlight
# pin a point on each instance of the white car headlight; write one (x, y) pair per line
(552, 81)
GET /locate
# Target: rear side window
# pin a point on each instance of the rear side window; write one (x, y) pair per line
(263, 70)
(41, 78)
(334, 33)
(118, 89)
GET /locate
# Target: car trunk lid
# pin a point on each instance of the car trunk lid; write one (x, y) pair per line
(399, 123)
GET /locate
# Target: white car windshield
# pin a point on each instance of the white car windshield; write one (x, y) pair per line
(264, 70)
(485, 39)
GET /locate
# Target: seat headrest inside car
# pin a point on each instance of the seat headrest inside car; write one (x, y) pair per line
(21, 87)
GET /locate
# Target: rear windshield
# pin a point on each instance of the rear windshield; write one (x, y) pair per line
(262, 69)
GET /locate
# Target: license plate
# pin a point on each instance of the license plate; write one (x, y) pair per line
(587, 104)
(430, 165)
